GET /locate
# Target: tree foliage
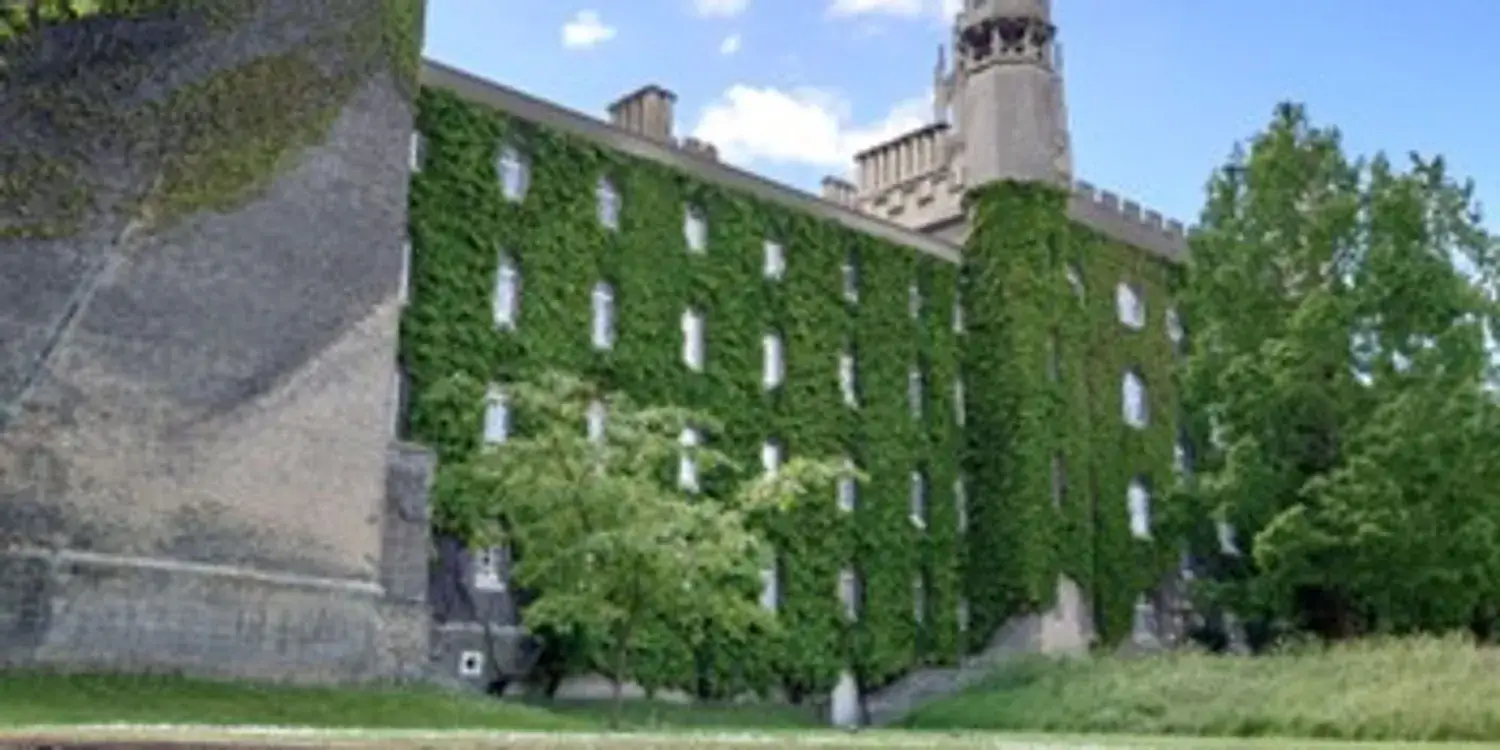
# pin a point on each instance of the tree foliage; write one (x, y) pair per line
(605, 538)
(1340, 311)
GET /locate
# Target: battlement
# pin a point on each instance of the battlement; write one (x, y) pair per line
(1127, 221)
(901, 159)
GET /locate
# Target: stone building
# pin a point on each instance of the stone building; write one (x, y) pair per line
(205, 459)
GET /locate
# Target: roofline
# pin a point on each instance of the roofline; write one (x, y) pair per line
(492, 94)
(932, 127)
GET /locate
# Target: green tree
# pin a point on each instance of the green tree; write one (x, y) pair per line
(605, 537)
(1339, 313)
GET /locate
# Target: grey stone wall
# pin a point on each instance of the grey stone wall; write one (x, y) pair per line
(200, 248)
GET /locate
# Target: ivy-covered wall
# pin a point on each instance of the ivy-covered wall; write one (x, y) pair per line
(1049, 454)
(460, 223)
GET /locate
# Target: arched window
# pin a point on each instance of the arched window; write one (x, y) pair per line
(507, 292)
(1175, 331)
(603, 328)
(1130, 306)
(515, 173)
(687, 466)
(1138, 504)
(1075, 280)
(1133, 399)
(608, 200)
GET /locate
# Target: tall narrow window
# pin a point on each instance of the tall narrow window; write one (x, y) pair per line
(963, 615)
(515, 173)
(914, 300)
(496, 416)
(773, 367)
(608, 199)
(960, 409)
(770, 456)
(848, 385)
(1075, 280)
(849, 594)
(418, 153)
(914, 395)
(918, 500)
(1129, 306)
(596, 420)
(770, 586)
(1175, 332)
(1138, 502)
(919, 599)
(958, 314)
(507, 293)
(692, 340)
(403, 292)
(961, 503)
(687, 463)
(851, 277)
(775, 260)
(602, 330)
(848, 487)
(1133, 399)
(695, 229)
(1228, 544)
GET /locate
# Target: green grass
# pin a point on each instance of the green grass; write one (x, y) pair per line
(1420, 689)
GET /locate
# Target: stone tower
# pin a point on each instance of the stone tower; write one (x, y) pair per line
(1006, 93)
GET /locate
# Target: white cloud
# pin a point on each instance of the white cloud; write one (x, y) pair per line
(943, 9)
(730, 45)
(586, 30)
(720, 8)
(805, 126)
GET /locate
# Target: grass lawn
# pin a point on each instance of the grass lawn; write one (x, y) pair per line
(1421, 689)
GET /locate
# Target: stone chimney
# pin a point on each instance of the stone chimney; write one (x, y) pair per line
(645, 112)
(700, 148)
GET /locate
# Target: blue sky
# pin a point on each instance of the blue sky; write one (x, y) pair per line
(1158, 90)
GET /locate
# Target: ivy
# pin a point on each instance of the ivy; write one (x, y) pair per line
(459, 225)
(1045, 363)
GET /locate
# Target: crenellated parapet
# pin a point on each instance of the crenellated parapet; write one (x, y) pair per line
(1127, 221)
(901, 159)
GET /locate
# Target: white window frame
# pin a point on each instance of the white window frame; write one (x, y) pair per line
(849, 378)
(513, 169)
(915, 391)
(506, 294)
(497, 416)
(770, 586)
(1175, 331)
(958, 315)
(770, 457)
(695, 229)
(1130, 306)
(692, 339)
(775, 260)
(607, 204)
(919, 599)
(1075, 280)
(1134, 407)
(471, 664)
(1138, 506)
(489, 573)
(602, 316)
(687, 464)
(848, 590)
(596, 421)
(961, 503)
(914, 300)
(917, 500)
(848, 488)
(851, 279)
(773, 357)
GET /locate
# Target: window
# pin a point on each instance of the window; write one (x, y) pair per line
(1130, 306)
(770, 456)
(918, 510)
(963, 615)
(507, 300)
(515, 174)
(914, 300)
(1182, 460)
(603, 327)
(471, 664)
(695, 229)
(773, 365)
(960, 411)
(403, 292)
(961, 503)
(687, 465)
(849, 594)
(1227, 542)
(496, 416)
(851, 278)
(1138, 502)
(608, 200)
(848, 487)
(418, 151)
(847, 375)
(595, 421)
(914, 391)
(489, 569)
(1059, 480)
(919, 599)
(775, 260)
(958, 316)
(692, 340)
(1075, 280)
(770, 587)
(1175, 331)
(1133, 399)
